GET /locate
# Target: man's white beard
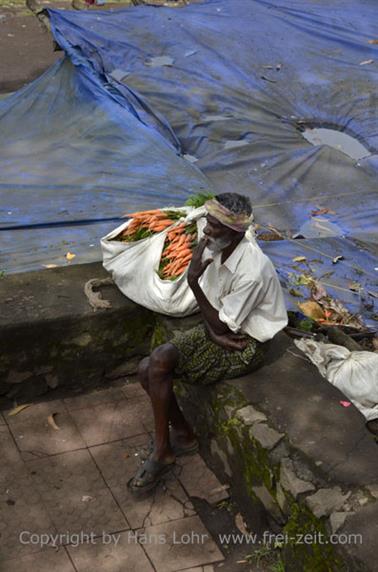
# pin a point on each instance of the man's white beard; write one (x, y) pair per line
(216, 245)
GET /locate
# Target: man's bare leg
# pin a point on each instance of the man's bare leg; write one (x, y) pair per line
(182, 432)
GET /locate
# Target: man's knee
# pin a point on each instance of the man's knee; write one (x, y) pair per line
(143, 370)
(163, 360)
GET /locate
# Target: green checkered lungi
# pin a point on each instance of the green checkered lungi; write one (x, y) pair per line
(204, 362)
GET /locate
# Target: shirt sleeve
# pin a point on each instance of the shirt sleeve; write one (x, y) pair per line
(239, 303)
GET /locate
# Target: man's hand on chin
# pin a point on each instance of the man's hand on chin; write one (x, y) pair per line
(197, 267)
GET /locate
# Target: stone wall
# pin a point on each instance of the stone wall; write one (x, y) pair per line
(51, 337)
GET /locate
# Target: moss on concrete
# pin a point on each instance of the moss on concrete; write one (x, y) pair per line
(258, 470)
(159, 335)
(314, 555)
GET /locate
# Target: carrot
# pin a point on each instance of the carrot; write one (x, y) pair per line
(143, 213)
(158, 227)
(157, 218)
(180, 242)
(186, 258)
(172, 248)
(166, 222)
(178, 229)
(183, 253)
(181, 269)
(176, 265)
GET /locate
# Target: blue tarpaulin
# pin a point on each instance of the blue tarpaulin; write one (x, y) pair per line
(152, 104)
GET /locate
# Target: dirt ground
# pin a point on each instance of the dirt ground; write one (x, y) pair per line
(26, 47)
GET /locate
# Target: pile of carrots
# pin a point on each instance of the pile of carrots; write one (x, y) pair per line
(178, 250)
(152, 221)
(179, 244)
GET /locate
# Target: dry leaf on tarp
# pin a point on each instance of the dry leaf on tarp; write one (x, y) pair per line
(321, 211)
(295, 293)
(299, 259)
(312, 309)
(354, 286)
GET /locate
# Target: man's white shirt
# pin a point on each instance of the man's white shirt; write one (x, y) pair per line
(246, 291)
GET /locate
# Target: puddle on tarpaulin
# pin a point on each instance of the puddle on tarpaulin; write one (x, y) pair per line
(337, 140)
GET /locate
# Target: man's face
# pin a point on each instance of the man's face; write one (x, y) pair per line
(218, 235)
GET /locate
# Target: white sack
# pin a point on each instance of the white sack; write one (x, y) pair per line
(134, 267)
(355, 373)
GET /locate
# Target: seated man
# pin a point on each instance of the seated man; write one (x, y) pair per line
(242, 306)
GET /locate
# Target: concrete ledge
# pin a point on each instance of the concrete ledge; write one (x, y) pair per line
(50, 336)
(296, 460)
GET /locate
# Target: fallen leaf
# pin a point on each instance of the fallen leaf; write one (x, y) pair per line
(345, 403)
(366, 62)
(70, 256)
(317, 212)
(373, 42)
(50, 265)
(240, 524)
(299, 259)
(269, 235)
(51, 422)
(87, 498)
(354, 286)
(159, 61)
(18, 409)
(295, 293)
(219, 489)
(337, 258)
(126, 455)
(311, 309)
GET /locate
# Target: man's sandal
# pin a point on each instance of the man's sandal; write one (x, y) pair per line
(148, 476)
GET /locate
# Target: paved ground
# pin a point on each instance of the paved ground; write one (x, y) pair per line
(66, 486)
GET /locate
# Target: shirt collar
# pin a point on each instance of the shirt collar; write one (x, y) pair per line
(234, 258)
